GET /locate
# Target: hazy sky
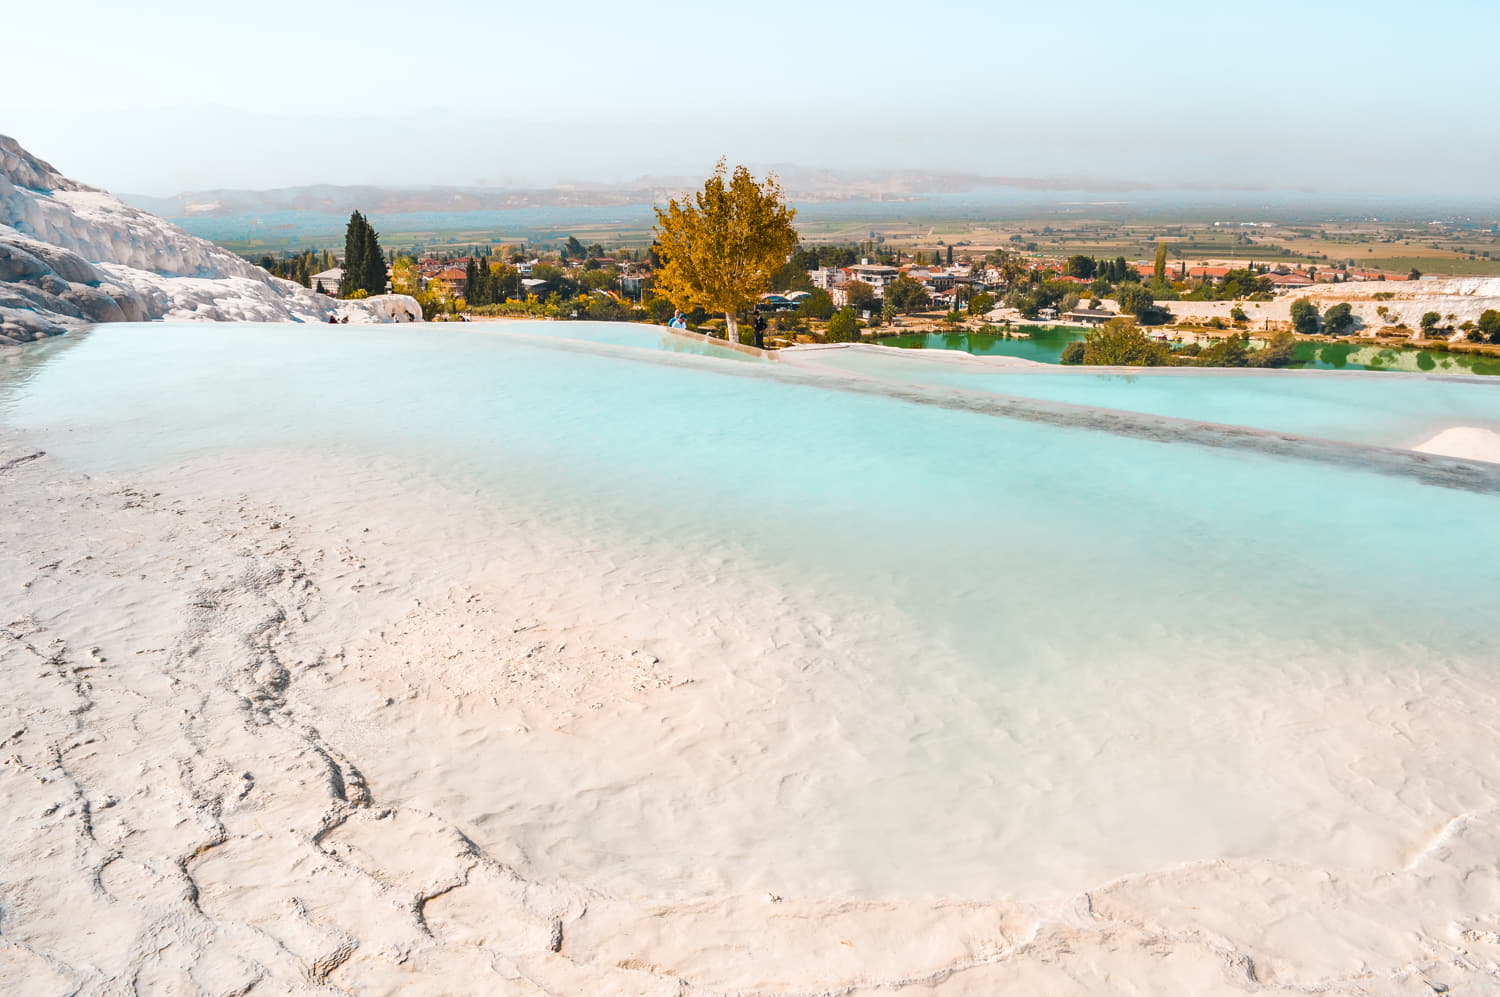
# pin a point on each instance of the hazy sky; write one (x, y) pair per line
(163, 96)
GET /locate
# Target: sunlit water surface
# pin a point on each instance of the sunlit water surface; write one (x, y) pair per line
(1088, 655)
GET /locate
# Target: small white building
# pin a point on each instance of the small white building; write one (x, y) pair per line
(828, 278)
(327, 281)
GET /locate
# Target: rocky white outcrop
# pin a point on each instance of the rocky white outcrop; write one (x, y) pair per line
(72, 255)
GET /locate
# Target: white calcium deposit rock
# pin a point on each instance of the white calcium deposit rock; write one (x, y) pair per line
(72, 255)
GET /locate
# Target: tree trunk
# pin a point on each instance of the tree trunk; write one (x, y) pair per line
(731, 327)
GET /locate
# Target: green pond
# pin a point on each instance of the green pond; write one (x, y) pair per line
(1046, 344)
(1353, 356)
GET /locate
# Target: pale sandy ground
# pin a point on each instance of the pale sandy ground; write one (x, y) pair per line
(233, 761)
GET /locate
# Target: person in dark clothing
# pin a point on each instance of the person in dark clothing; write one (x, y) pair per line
(759, 324)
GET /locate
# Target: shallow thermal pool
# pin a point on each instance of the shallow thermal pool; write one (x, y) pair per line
(1390, 410)
(987, 657)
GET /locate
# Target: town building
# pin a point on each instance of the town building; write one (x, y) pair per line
(1090, 316)
(328, 281)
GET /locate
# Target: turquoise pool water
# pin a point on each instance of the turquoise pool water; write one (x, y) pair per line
(648, 337)
(1395, 411)
(1050, 655)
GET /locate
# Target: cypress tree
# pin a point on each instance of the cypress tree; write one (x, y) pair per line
(950, 256)
(472, 290)
(375, 273)
(354, 256)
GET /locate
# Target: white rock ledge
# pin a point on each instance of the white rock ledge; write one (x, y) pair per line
(71, 255)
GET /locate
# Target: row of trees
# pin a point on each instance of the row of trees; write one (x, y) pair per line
(490, 284)
(300, 266)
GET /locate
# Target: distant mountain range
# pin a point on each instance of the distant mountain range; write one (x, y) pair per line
(802, 185)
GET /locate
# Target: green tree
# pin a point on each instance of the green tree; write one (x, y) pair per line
(1305, 317)
(1134, 299)
(981, 303)
(1073, 353)
(1489, 324)
(1279, 352)
(1237, 314)
(573, 249)
(1415, 274)
(907, 294)
(404, 277)
(1231, 351)
(596, 280)
(720, 247)
(1429, 323)
(843, 327)
(859, 295)
(1080, 266)
(817, 305)
(1120, 342)
(1159, 268)
(364, 261)
(1339, 319)
(354, 255)
(660, 310)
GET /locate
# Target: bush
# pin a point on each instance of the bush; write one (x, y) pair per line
(1489, 324)
(1281, 351)
(1237, 314)
(817, 305)
(1120, 342)
(1232, 351)
(843, 327)
(1305, 317)
(1073, 352)
(660, 310)
(1339, 319)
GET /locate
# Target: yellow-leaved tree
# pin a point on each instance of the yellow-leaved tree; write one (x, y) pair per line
(720, 248)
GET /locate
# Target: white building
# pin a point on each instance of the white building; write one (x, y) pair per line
(828, 277)
(328, 279)
(878, 277)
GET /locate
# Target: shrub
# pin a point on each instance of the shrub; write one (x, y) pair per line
(1073, 352)
(1121, 342)
(1339, 319)
(843, 327)
(1304, 316)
